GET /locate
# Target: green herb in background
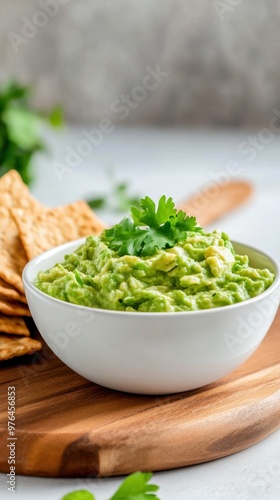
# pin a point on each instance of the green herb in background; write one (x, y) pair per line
(117, 198)
(134, 487)
(97, 203)
(125, 201)
(79, 495)
(20, 129)
(150, 228)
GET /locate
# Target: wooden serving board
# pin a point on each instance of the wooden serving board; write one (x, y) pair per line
(67, 426)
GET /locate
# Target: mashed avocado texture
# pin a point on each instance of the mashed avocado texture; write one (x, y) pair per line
(201, 272)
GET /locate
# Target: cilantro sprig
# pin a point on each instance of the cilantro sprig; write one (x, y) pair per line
(150, 229)
(134, 487)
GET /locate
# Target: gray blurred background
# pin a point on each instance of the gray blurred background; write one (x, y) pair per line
(222, 57)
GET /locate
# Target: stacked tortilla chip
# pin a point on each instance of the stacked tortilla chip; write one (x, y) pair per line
(28, 228)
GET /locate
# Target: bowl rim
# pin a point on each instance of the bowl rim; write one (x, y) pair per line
(52, 251)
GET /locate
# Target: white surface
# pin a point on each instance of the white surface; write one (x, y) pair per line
(177, 162)
(180, 352)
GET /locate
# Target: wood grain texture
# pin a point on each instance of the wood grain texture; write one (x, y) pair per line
(67, 426)
(216, 199)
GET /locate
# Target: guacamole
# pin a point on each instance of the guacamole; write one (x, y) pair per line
(201, 272)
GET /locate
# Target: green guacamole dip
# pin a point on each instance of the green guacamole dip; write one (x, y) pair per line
(202, 272)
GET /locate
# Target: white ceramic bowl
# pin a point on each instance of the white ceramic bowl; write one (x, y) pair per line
(151, 353)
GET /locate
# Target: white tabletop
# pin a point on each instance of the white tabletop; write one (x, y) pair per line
(174, 162)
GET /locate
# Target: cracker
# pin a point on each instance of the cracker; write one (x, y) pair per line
(13, 193)
(17, 346)
(14, 308)
(13, 325)
(43, 229)
(12, 254)
(7, 291)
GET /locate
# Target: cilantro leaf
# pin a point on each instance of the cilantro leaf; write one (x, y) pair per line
(125, 238)
(135, 487)
(151, 228)
(151, 217)
(186, 223)
(79, 495)
(181, 224)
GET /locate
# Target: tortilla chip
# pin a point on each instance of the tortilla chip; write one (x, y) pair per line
(14, 346)
(8, 292)
(43, 229)
(14, 308)
(13, 325)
